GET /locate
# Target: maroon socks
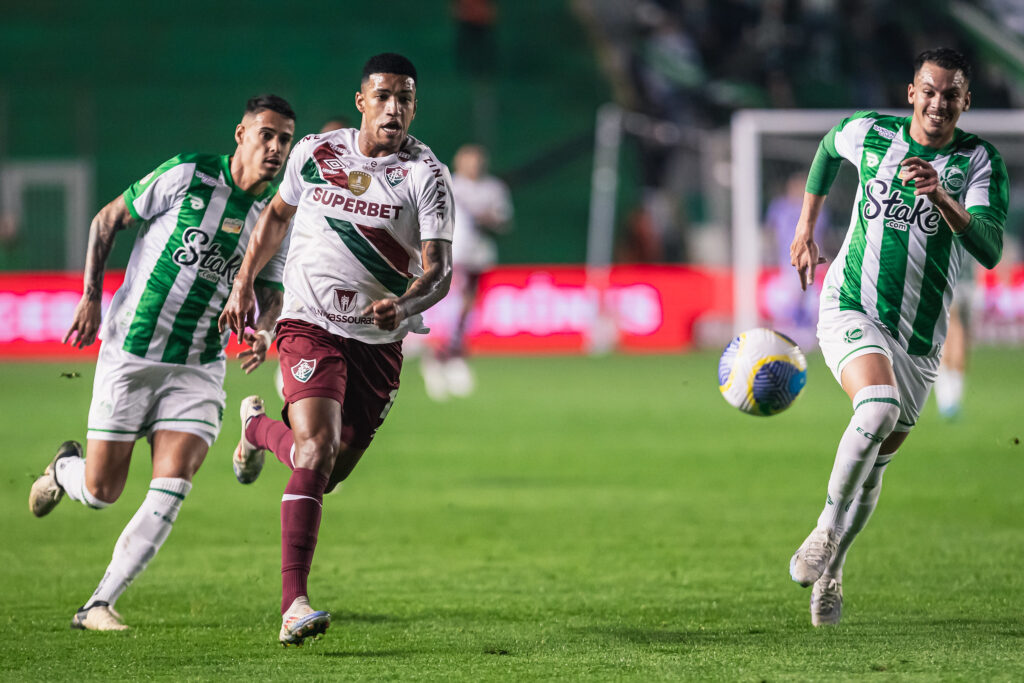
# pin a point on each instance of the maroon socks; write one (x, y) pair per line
(273, 435)
(301, 506)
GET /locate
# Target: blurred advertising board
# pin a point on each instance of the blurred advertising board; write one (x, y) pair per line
(545, 309)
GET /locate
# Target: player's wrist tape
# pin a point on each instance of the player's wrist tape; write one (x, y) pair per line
(268, 337)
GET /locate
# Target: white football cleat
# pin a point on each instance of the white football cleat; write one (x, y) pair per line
(99, 616)
(459, 377)
(434, 380)
(812, 558)
(46, 492)
(826, 602)
(301, 622)
(247, 460)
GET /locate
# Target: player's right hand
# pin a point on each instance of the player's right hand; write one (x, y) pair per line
(239, 311)
(85, 323)
(805, 257)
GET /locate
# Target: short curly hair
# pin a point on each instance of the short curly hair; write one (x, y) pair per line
(389, 63)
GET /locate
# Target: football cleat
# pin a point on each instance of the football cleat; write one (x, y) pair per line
(812, 558)
(99, 616)
(301, 622)
(46, 492)
(434, 380)
(247, 460)
(826, 602)
(459, 377)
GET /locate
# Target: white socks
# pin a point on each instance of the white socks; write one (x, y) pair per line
(70, 474)
(875, 411)
(142, 538)
(859, 514)
(949, 391)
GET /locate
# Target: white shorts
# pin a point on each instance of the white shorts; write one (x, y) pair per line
(133, 397)
(845, 335)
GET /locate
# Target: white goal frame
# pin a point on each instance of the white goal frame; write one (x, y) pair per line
(75, 177)
(748, 128)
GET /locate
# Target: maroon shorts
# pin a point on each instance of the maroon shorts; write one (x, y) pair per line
(362, 377)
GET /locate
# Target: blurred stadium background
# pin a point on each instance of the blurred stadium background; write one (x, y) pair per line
(613, 122)
(580, 517)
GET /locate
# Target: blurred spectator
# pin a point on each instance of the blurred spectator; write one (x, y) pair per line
(639, 243)
(483, 210)
(793, 310)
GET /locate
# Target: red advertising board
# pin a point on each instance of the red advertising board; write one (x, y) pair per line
(542, 309)
(566, 309)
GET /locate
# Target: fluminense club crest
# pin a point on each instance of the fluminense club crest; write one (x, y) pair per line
(303, 370)
(395, 174)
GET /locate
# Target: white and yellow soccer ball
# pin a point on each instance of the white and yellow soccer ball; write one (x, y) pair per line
(761, 372)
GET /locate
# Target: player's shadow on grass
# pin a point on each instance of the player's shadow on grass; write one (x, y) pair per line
(647, 636)
(357, 618)
(664, 636)
(374, 654)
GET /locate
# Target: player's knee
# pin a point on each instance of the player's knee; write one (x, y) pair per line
(316, 452)
(877, 409)
(101, 494)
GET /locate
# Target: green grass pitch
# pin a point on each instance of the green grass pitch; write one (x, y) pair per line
(577, 518)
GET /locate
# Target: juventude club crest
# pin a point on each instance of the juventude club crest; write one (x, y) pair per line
(395, 174)
(952, 179)
(303, 370)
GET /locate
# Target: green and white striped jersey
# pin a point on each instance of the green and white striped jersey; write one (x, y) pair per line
(900, 260)
(196, 225)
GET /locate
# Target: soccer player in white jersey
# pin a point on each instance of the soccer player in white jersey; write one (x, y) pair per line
(161, 366)
(929, 195)
(370, 250)
(484, 211)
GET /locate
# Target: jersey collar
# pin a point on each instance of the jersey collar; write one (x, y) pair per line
(919, 150)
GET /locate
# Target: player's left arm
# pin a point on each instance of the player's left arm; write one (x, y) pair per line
(269, 300)
(979, 227)
(424, 292)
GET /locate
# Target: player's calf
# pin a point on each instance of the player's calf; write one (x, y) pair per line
(876, 410)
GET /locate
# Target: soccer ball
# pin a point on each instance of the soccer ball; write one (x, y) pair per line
(761, 372)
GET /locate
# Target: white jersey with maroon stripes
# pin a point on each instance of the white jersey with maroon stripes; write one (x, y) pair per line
(358, 228)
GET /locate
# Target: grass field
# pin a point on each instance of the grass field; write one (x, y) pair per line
(578, 518)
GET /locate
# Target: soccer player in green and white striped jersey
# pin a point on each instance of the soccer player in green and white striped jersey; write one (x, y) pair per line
(929, 196)
(160, 371)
